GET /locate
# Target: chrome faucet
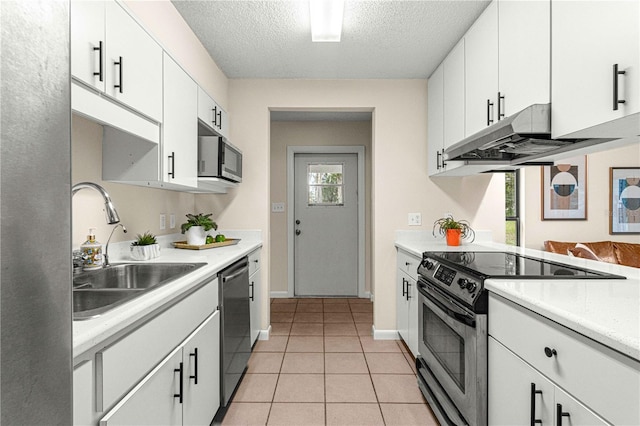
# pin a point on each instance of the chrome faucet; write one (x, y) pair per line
(106, 247)
(110, 210)
(112, 218)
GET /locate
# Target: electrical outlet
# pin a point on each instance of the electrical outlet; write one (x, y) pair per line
(277, 207)
(415, 219)
(163, 221)
(172, 221)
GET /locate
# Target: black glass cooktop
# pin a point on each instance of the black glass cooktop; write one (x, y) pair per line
(507, 265)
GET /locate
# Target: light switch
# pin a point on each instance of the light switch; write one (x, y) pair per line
(172, 221)
(163, 221)
(415, 219)
(277, 207)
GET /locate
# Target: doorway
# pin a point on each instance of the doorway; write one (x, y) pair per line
(325, 221)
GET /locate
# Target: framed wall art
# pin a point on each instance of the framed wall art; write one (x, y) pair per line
(624, 200)
(564, 190)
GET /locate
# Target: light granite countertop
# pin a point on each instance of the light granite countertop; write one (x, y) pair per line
(87, 334)
(605, 310)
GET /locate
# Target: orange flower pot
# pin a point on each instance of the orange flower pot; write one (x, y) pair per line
(453, 237)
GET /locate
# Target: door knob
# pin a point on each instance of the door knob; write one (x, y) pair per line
(297, 221)
(298, 232)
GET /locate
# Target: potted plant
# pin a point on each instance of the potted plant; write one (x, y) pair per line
(145, 247)
(454, 230)
(196, 228)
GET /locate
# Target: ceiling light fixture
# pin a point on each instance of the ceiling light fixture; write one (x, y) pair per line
(326, 19)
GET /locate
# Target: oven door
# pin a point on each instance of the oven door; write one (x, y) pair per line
(452, 344)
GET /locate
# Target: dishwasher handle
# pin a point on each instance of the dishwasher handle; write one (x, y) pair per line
(236, 274)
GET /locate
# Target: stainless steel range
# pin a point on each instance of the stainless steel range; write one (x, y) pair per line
(453, 309)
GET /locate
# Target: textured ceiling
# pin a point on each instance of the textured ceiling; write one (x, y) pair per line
(380, 38)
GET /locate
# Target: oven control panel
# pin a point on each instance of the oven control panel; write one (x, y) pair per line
(463, 286)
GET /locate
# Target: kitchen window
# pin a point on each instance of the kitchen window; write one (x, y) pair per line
(512, 207)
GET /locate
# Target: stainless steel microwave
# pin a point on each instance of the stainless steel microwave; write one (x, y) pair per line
(219, 158)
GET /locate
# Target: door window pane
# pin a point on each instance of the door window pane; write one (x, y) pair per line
(325, 184)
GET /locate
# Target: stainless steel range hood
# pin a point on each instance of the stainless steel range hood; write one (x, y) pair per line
(517, 140)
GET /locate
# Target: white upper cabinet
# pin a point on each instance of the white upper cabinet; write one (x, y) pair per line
(589, 38)
(133, 64)
(212, 114)
(112, 53)
(445, 109)
(454, 95)
(481, 71)
(524, 71)
(435, 119)
(88, 42)
(180, 126)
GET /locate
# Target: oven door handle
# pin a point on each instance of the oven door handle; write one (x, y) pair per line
(450, 309)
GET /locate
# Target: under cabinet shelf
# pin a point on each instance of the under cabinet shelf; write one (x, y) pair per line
(214, 185)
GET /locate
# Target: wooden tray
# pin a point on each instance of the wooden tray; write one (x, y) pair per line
(227, 242)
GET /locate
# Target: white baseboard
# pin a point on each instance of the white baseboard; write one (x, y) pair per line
(264, 334)
(285, 294)
(385, 334)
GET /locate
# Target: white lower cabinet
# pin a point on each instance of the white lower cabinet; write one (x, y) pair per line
(83, 394)
(407, 300)
(539, 369)
(183, 389)
(519, 394)
(255, 295)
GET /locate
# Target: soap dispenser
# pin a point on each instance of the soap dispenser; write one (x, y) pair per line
(91, 252)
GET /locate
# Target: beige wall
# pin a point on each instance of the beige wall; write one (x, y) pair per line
(400, 184)
(596, 227)
(311, 133)
(139, 208)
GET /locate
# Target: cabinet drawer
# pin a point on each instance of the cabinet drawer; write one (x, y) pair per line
(408, 264)
(254, 262)
(122, 365)
(602, 379)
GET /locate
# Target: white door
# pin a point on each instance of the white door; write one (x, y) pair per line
(326, 225)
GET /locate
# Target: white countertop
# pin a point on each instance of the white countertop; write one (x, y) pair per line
(605, 310)
(89, 333)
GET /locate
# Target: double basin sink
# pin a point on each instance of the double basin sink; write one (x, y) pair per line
(96, 292)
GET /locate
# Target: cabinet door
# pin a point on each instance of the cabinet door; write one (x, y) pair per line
(588, 38)
(402, 305)
(83, 394)
(223, 122)
(481, 71)
(88, 42)
(206, 109)
(524, 47)
(255, 297)
(578, 413)
(412, 318)
(133, 63)
(202, 373)
(454, 97)
(180, 126)
(435, 119)
(153, 401)
(510, 390)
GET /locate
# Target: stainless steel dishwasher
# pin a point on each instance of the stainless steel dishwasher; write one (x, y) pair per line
(235, 333)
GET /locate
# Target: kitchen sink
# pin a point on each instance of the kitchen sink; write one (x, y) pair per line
(96, 292)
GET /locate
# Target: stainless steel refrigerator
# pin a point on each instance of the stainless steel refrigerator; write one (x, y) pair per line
(35, 206)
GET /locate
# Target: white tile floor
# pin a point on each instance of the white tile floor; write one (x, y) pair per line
(322, 367)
